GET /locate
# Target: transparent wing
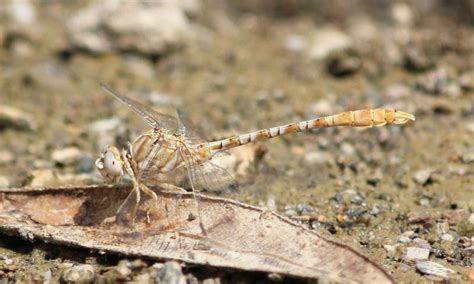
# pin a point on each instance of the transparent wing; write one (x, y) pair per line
(206, 176)
(186, 128)
(146, 168)
(153, 118)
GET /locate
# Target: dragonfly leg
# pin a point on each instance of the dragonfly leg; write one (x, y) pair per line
(148, 191)
(153, 195)
(172, 187)
(137, 187)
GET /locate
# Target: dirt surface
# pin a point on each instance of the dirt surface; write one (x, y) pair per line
(382, 190)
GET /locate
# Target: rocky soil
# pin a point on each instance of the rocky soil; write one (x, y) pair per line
(403, 195)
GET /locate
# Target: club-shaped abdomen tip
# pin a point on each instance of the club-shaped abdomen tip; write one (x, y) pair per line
(402, 117)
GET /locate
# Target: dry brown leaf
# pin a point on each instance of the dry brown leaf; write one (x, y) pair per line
(237, 235)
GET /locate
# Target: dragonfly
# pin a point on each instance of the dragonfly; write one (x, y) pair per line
(169, 145)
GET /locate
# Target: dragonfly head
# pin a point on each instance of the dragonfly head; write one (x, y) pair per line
(110, 164)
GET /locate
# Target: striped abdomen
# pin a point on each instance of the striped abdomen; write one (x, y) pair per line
(359, 118)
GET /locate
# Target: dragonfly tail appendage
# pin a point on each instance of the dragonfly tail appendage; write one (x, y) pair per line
(358, 118)
(363, 118)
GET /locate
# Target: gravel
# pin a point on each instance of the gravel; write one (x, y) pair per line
(147, 29)
(422, 176)
(433, 268)
(67, 156)
(83, 273)
(326, 40)
(17, 119)
(170, 272)
(415, 253)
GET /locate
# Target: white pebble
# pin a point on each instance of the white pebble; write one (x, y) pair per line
(103, 125)
(390, 249)
(327, 40)
(405, 237)
(433, 268)
(422, 176)
(414, 253)
(471, 218)
(66, 156)
(447, 238)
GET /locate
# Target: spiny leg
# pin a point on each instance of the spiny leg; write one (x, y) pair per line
(153, 195)
(135, 206)
(136, 188)
(172, 187)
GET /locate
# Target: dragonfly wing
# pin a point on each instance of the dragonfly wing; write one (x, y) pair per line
(146, 169)
(153, 118)
(190, 134)
(206, 176)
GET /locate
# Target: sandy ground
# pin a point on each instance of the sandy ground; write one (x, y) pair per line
(383, 190)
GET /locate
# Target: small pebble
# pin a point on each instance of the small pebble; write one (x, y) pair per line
(318, 157)
(291, 213)
(123, 269)
(8, 261)
(390, 249)
(471, 218)
(347, 149)
(405, 237)
(343, 63)
(294, 43)
(171, 272)
(23, 12)
(442, 228)
(67, 156)
(104, 125)
(422, 243)
(414, 253)
(374, 211)
(83, 273)
(468, 158)
(322, 108)
(398, 91)
(422, 176)
(4, 182)
(41, 177)
(419, 218)
(271, 204)
(303, 208)
(357, 199)
(46, 276)
(402, 14)
(326, 40)
(447, 237)
(433, 268)
(6, 157)
(142, 28)
(16, 119)
(470, 127)
(416, 59)
(466, 81)
(375, 178)
(425, 202)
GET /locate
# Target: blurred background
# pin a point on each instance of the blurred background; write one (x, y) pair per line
(238, 66)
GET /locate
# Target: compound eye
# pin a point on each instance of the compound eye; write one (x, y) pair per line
(112, 164)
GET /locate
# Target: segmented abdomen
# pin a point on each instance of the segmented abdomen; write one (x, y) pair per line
(359, 118)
